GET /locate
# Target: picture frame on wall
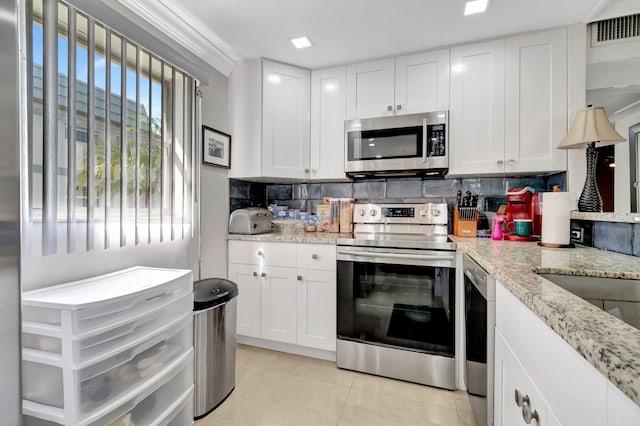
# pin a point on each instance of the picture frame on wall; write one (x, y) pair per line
(216, 147)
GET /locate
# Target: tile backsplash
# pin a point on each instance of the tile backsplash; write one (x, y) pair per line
(305, 196)
(620, 237)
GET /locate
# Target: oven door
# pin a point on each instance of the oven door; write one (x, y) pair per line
(397, 298)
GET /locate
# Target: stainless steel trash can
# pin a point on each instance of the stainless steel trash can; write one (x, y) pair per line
(214, 339)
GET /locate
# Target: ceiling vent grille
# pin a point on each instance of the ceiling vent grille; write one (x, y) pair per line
(614, 29)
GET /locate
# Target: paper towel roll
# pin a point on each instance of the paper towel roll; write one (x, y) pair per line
(556, 219)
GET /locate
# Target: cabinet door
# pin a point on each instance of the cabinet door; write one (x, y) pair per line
(317, 309)
(278, 303)
(370, 87)
(285, 120)
(247, 277)
(476, 119)
(510, 379)
(328, 103)
(422, 82)
(536, 101)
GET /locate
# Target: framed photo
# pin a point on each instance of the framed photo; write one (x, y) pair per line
(216, 147)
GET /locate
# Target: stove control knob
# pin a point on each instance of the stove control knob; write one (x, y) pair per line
(362, 212)
(423, 213)
(373, 213)
(435, 212)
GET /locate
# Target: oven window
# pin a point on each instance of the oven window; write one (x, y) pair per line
(410, 307)
(405, 142)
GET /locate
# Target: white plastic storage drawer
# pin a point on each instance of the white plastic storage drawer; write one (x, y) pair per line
(146, 404)
(181, 414)
(96, 384)
(89, 346)
(100, 303)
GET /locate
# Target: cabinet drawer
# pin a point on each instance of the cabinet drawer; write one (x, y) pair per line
(317, 256)
(262, 253)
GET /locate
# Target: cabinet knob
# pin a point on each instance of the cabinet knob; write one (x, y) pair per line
(389, 108)
(398, 107)
(314, 256)
(529, 416)
(306, 171)
(299, 277)
(500, 162)
(255, 274)
(521, 400)
(260, 253)
(511, 161)
(264, 274)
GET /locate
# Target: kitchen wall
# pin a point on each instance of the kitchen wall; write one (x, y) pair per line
(613, 236)
(214, 186)
(305, 196)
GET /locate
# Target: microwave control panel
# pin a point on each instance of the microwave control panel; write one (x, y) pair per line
(436, 145)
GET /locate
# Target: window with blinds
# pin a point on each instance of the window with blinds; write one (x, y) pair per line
(111, 129)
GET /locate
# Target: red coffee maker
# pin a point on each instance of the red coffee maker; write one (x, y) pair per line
(522, 203)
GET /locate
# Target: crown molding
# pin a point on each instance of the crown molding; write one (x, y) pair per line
(168, 17)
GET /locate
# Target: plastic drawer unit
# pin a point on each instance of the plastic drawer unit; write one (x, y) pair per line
(144, 405)
(94, 345)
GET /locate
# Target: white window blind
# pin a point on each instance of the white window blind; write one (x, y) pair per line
(111, 131)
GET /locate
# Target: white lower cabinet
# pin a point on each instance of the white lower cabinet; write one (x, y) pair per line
(517, 400)
(293, 301)
(561, 385)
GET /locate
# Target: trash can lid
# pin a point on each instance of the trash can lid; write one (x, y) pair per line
(212, 291)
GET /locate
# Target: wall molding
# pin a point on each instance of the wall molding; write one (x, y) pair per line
(167, 16)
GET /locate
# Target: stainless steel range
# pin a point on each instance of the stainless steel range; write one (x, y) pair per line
(396, 294)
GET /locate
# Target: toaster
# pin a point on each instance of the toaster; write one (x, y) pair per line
(251, 220)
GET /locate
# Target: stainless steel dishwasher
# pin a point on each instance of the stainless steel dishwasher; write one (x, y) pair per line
(480, 322)
(214, 340)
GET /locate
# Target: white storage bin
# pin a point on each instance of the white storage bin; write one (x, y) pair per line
(98, 383)
(144, 405)
(100, 303)
(180, 414)
(79, 350)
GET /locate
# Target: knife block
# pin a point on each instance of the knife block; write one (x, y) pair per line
(465, 221)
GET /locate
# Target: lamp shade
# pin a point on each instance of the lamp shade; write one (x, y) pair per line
(590, 125)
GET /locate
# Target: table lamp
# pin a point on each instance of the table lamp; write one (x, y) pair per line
(591, 125)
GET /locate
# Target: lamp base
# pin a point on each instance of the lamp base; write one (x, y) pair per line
(590, 199)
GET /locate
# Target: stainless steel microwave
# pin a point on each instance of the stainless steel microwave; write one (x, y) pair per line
(401, 145)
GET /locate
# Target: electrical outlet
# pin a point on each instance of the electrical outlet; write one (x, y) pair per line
(577, 235)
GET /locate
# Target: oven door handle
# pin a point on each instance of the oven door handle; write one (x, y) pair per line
(398, 255)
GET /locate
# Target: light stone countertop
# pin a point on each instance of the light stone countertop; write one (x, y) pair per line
(292, 237)
(610, 345)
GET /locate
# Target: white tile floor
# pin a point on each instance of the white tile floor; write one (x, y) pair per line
(274, 388)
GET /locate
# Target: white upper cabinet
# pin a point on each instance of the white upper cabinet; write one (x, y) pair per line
(285, 120)
(370, 87)
(422, 82)
(404, 85)
(509, 105)
(328, 103)
(536, 101)
(476, 118)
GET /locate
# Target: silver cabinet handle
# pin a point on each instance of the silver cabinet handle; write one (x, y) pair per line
(500, 162)
(307, 171)
(389, 108)
(521, 400)
(528, 416)
(299, 277)
(314, 256)
(398, 107)
(260, 253)
(264, 274)
(255, 274)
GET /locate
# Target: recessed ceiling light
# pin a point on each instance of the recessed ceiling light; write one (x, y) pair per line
(301, 42)
(475, 6)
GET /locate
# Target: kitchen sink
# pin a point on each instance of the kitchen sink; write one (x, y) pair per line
(619, 297)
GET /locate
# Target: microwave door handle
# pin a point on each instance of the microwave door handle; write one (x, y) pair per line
(424, 140)
(399, 255)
